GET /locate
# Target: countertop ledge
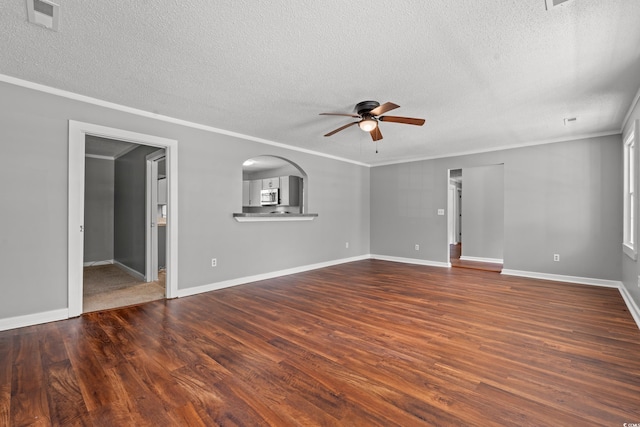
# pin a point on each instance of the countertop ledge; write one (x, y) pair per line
(263, 217)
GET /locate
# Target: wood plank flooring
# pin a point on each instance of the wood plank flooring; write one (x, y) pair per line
(369, 343)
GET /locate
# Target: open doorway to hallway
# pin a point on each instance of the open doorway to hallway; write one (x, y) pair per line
(134, 227)
(116, 270)
(454, 220)
(481, 218)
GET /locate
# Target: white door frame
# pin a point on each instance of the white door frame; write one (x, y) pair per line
(451, 215)
(151, 215)
(458, 203)
(77, 133)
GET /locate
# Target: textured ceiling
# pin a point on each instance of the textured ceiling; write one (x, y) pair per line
(484, 74)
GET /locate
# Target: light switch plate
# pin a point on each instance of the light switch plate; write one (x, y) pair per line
(440, 211)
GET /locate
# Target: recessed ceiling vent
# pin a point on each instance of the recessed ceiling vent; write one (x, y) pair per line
(43, 13)
(553, 3)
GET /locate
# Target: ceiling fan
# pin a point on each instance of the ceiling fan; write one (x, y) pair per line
(370, 113)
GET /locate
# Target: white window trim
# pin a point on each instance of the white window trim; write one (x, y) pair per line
(630, 147)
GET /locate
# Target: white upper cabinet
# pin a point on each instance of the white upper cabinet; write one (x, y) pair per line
(269, 183)
(162, 191)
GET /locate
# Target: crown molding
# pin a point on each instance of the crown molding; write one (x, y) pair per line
(123, 108)
(633, 105)
(500, 148)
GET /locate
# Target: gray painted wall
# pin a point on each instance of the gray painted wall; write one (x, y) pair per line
(483, 212)
(270, 173)
(630, 267)
(563, 198)
(98, 209)
(559, 198)
(129, 208)
(210, 190)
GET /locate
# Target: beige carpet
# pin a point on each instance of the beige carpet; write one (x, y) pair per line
(107, 286)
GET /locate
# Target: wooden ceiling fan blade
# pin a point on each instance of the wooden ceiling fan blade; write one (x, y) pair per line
(405, 120)
(340, 114)
(387, 106)
(376, 135)
(341, 128)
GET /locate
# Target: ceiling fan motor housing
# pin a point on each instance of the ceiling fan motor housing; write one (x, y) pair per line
(369, 113)
(365, 106)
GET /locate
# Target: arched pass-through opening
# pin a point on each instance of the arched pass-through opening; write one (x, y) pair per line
(272, 184)
(274, 189)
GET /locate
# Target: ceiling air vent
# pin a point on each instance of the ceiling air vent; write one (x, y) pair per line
(43, 13)
(553, 3)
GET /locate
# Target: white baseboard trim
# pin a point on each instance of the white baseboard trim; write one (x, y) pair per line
(248, 279)
(562, 278)
(62, 314)
(480, 259)
(33, 319)
(411, 261)
(129, 270)
(94, 263)
(631, 304)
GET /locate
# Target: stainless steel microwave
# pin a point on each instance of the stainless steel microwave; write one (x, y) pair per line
(269, 197)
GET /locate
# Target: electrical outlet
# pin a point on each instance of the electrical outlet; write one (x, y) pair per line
(417, 247)
(440, 211)
(556, 257)
(346, 245)
(639, 281)
(214, 262)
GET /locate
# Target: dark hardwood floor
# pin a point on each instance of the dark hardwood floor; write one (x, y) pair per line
(369, 343)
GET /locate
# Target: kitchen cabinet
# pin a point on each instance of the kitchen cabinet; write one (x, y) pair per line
(251, 192)
(269, 183)
(290, 189)
(246, 195)
(162, 191)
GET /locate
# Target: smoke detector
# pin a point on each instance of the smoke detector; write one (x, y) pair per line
(43, 13)
(554, 3)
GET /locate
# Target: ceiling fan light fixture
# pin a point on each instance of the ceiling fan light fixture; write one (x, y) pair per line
(368, 124)
(370, 113)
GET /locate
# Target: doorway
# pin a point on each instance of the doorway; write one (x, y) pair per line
(78, 132)
(480, 215)
(117, 197)
(156, 214)
(454, 219)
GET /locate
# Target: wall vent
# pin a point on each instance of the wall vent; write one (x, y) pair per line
(43, 13)
(554, 3)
